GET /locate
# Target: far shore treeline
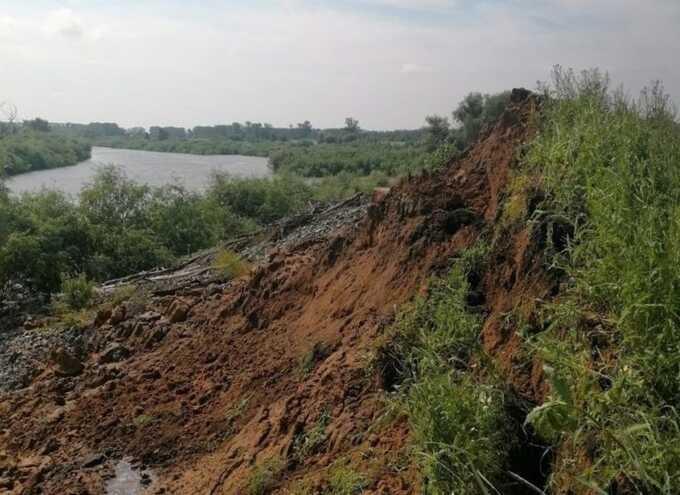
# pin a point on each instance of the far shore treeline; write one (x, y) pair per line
(117, 227)
(300, 149)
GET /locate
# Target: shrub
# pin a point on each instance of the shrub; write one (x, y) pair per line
(458, 421)
(473, 113)
(460, 428)
(262, 200)
(183, 221)
(78, 292)
(230, 264)
(264, 477)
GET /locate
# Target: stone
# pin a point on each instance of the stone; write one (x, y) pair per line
(158, 334)
(102, 317)
(178, 312)
(114, 354)
(93, 460)
(50, 446)
(134, 309)
(118, 315)
(65, 363)
(149, 316)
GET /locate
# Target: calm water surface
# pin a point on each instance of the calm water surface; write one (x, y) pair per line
(147, 167)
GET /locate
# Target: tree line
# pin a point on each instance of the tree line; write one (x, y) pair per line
(29, 146)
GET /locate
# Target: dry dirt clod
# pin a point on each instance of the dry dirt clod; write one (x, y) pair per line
(178, 312)
(66, 364)
(118, 315)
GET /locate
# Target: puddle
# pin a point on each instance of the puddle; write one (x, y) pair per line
(127, 480)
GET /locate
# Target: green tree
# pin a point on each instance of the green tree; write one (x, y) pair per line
(42, 236)
(474, 112)
(112, 200)
(38, 125)
(352, 125)
(436, 131)
(183, 222)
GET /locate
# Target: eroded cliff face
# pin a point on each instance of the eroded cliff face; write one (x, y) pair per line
(203, 387)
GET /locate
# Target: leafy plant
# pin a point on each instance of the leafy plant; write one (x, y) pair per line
(78, 292)
(609, 166)
(230, 264)
(264, 477)
(307, 443)
(309, 360)
(458, 421)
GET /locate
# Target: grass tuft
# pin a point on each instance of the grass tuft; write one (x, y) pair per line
(230, 264)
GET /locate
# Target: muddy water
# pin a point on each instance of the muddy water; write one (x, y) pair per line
(146, 167)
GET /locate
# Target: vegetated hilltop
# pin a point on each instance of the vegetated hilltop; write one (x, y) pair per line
(483, 328)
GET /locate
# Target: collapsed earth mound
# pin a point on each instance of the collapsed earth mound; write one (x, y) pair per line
(270, 383)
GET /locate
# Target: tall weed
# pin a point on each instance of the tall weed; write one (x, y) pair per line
(611, 168)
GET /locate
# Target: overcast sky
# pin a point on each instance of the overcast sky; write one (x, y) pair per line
(388, 63)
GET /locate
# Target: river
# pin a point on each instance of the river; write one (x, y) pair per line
(147, 167)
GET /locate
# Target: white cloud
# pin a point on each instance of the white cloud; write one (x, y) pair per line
(192, 65)
(416, 68)
(64, 22)
(415, 4)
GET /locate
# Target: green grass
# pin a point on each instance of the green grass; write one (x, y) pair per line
(143, 420)
(458, 420)
(345, 481)
(230, 264)
(310, 359)
(265, 476)
(309, 442)
(611, 169)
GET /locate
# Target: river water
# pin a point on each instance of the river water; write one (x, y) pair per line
(147, 167)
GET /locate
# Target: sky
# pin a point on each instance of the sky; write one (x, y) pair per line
(387, 63)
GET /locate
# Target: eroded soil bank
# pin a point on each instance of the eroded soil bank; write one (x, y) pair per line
(204, 382)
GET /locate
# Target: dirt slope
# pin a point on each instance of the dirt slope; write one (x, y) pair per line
(203, 388)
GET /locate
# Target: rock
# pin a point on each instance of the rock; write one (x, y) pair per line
(125, 329)
(66, 364)
(50, 446)
(157, 335)
(118, 315)
(178, 312)
(114, 354)
(102, 317)
(133, 309)
(151, 375)
(93, 460)
(149, 316)
(212, 289)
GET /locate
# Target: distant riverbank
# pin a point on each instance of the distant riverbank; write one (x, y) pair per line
(146, 167)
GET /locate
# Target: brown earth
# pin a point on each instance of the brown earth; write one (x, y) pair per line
(204, 388)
